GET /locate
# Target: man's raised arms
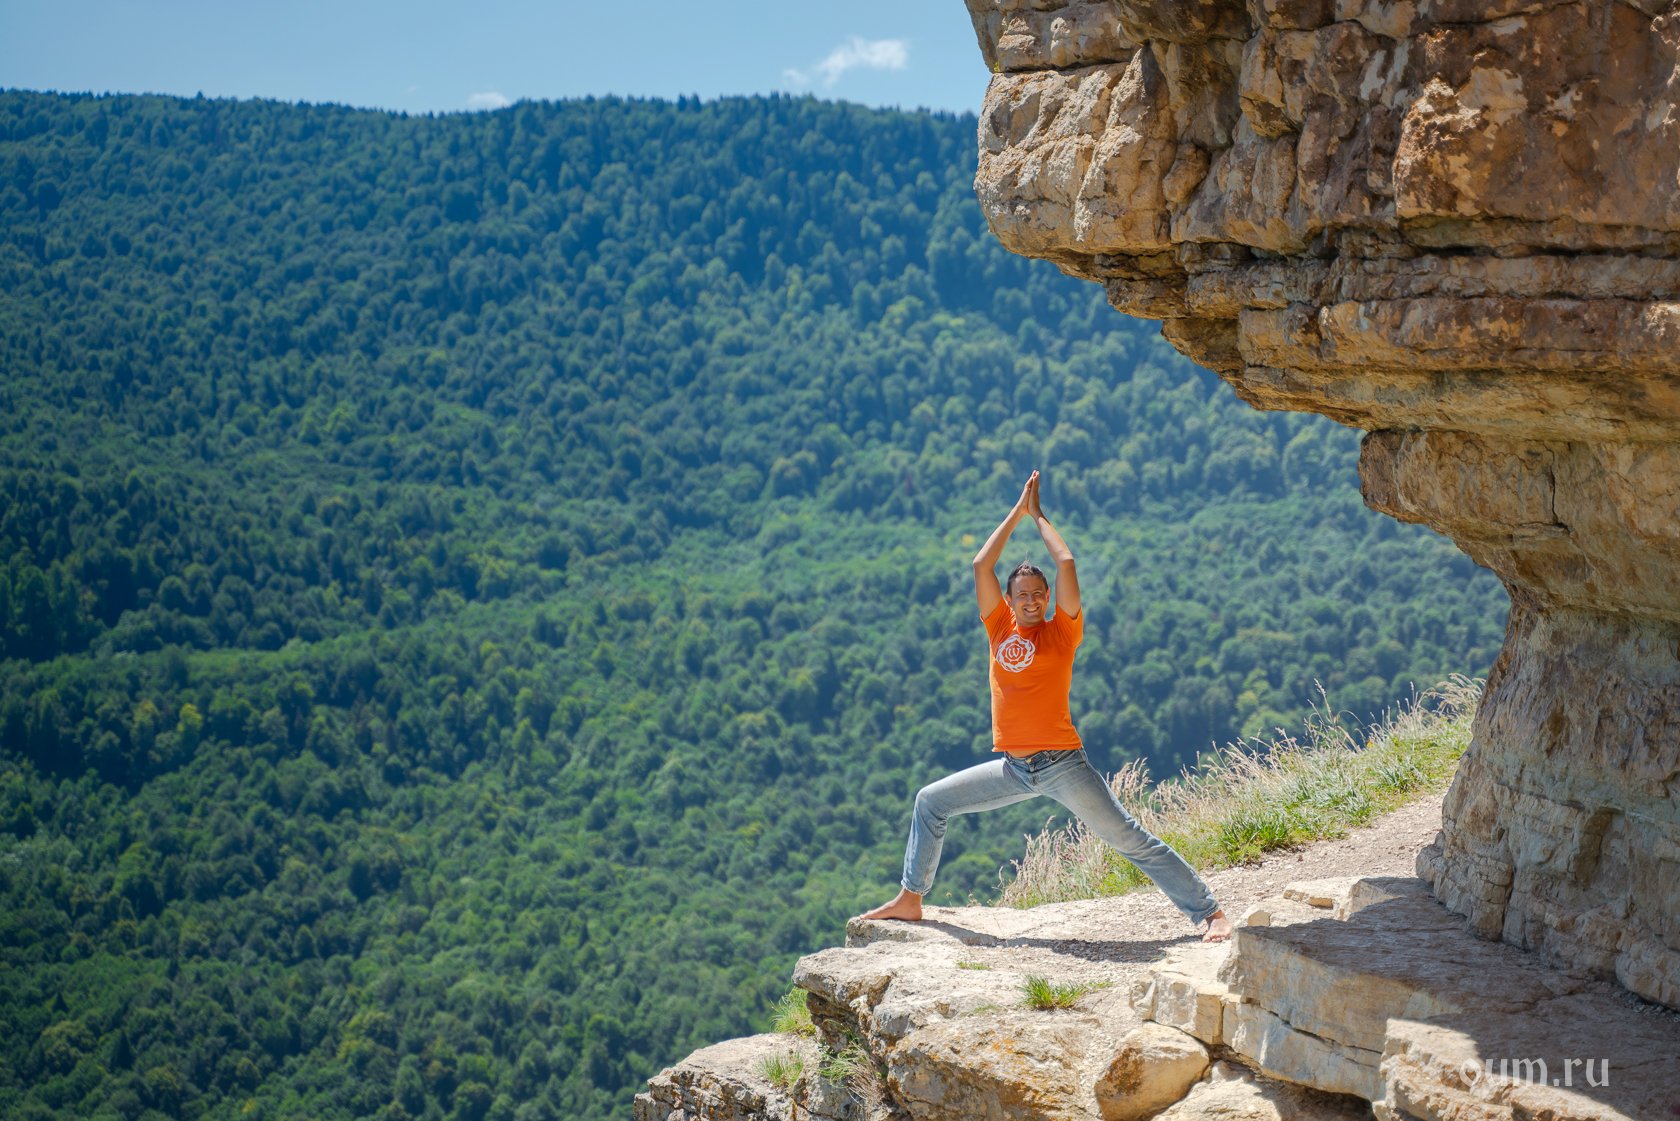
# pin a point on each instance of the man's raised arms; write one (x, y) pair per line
(988, 593)
(1067, 576)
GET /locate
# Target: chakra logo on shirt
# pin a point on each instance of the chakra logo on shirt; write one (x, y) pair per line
(1015, 653)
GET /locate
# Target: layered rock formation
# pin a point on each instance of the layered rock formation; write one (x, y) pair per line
(1340, 1000)
(1387, 998)
(1457, 226)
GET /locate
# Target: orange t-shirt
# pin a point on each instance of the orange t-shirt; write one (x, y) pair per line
(1031, 673)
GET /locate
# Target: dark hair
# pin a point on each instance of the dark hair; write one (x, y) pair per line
(1025, 568)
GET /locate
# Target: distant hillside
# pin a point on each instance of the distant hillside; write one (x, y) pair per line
(477, 592)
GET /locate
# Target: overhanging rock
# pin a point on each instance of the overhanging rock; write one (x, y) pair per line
(1456, 226)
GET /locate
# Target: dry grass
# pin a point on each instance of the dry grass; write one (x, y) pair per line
(869, 1083)
(1259, 795)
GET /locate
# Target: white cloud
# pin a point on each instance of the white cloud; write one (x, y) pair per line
(489, 99)
(869, 54)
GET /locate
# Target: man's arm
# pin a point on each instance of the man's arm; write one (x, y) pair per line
(988, 593)
(1067, 576)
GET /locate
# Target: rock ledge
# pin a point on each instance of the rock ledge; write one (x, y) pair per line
(1344, 999)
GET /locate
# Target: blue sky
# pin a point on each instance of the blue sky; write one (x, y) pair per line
(427, 56)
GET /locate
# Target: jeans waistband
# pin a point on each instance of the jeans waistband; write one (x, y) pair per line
(1049, 757)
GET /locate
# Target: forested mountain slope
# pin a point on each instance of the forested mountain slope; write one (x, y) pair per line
(478, 592)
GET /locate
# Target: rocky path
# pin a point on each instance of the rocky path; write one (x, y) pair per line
(1137, 926)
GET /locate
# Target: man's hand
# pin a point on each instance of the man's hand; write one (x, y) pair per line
(1067, 576)
(1027, 504)
(988, 593)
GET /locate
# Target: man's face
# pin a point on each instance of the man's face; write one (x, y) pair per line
(1029, 597)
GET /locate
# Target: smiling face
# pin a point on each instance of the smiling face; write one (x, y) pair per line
(1029, 598)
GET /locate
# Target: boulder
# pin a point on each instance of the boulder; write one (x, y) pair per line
(1154, 1067)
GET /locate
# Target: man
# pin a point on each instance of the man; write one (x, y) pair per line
(1031, 671)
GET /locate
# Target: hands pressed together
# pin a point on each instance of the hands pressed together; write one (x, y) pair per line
(1027, 505)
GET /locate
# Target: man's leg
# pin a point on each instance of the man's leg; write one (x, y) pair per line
(985, 786)
(1077, 785)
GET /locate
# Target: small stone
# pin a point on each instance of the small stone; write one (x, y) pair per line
(1329, 894)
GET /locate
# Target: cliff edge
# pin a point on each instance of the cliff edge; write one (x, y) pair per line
(1457, 227)
(1340, 999)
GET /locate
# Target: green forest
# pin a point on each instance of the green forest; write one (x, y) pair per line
(479, 592)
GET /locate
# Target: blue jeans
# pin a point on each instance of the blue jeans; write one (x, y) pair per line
(1069, 778)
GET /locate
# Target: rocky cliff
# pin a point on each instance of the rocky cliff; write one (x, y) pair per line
(1456, 226)
(1339, 1000)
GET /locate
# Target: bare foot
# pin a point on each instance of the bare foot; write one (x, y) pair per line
(1219, 928)
(906, 905)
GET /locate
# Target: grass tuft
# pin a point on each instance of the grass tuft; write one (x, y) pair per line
(853, 1068)
(1257, 796)
(1045, 995)
(783, 1070)
(844, 1065)
(792, 1015)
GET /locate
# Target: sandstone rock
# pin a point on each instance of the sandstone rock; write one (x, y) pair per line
(940, 1003)
(884, 992)
(1342, 896)
(1455, 225)
(1036, 34)
(1154, 1068)
(1341, 981)
(1498, 101)
(1098, 132)
(1367, 891)
(1403, 1007)
(1183, 991)
(1579, 1056)
(1278, 1048)
(1395, 1003)
(724, 1082)
(1007, 1065)
(1383, 994)
(1569, 848)
(1234, 1093)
